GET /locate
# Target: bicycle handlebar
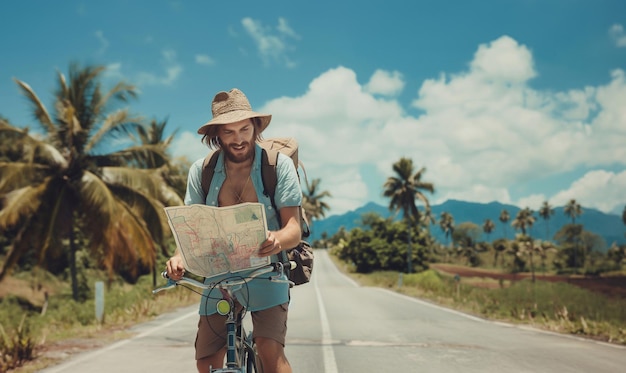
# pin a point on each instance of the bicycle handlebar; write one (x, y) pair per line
(226, 283)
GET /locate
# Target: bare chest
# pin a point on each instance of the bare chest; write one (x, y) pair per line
(237, 188)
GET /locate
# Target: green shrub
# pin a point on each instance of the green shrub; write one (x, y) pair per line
(430, 281)
(16, 347)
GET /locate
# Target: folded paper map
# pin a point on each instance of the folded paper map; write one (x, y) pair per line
(219, 240)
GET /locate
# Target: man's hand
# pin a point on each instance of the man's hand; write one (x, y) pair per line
(270, 246)
(174, 267)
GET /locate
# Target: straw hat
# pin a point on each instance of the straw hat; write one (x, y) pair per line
(231, 107)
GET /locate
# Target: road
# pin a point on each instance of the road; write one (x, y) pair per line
(337, 326)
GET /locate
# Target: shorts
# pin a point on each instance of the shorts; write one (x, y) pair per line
(269, 323)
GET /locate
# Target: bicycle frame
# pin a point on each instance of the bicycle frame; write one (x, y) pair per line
(240, 349)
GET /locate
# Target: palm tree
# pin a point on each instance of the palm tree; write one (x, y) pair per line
(504, 218)
(500, 246)
(404, 189)
(488, 226)
(426, 219)
(314, 207)
(446, 223)
(523, 220)
(153, 143)
(66, 183)
(573, 210)
(526, 246)
(546, 211)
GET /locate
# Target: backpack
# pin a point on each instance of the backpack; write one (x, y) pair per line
(302, 254)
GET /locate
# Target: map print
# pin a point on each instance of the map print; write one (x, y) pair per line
(218, 240)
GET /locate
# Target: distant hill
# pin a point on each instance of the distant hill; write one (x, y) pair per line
(608, 226)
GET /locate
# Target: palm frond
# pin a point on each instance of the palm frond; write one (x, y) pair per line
(143, 190)
(28, 148)
(118, 231)
(20, 203)
(132, 178)
(16, 175)
(142, 156)
(63, 88)
(121, 91)
(115, 124)
(39, 216)
(66, 115)
(15, 251)
(41, 113)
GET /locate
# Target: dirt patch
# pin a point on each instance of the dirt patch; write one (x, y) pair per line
(613, 286)
(35, 294)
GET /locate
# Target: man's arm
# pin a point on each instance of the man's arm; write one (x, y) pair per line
(174, 266)
(287, 237)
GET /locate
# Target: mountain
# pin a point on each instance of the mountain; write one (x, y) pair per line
(608, 226)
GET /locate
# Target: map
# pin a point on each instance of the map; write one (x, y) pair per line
(218, 240)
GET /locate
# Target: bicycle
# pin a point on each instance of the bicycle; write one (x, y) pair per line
(241, 356)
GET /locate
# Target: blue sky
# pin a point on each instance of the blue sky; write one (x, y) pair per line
(518, 101)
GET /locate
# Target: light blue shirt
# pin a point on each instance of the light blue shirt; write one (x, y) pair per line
(259, 293)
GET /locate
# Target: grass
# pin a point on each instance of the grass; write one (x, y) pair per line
(554, 306)
(27, 331)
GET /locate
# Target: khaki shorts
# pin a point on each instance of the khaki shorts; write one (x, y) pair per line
(270, 323)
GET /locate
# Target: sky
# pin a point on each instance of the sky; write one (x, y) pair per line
(516, 101)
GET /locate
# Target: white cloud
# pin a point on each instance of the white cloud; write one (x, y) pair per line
(203, 59)
(104, 43)
(189, 145)
(170, 74)
(617, 34)
(172, 70)
(503, 60)
(533, 201)
(599, 189)
(114, 71)
(272, 46)
(479, 193)
(284, 28)
(481, 132)
(385, 83)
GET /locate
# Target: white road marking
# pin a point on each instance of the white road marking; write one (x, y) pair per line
(330, 365)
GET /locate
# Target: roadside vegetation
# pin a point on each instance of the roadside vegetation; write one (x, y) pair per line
(37, 316)
(555, 306)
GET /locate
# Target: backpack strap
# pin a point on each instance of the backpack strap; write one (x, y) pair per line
(269, 159)
(270, 180)
(208, 169)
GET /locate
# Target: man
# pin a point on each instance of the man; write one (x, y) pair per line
(235, 130)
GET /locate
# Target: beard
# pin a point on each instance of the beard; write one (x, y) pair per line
(235, 156)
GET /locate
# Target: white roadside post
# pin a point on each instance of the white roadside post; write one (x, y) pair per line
(99, 301)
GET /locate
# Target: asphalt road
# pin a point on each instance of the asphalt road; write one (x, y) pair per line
(337, 326)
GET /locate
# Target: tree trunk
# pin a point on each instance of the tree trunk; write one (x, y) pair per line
(532, 265)
(73, 273)
(408, 249)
